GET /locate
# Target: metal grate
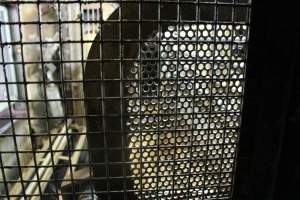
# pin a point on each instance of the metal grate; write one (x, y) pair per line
(122, 99)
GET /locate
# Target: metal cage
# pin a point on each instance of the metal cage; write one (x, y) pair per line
(121, 99)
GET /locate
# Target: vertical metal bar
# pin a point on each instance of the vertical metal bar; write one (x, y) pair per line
(178, 25)
(90, 162)
(194, 101)
(121, 65)
(3, 175)
(140, 100)
(158, 94)
(62, 75)
(102, 82)
(216, 10)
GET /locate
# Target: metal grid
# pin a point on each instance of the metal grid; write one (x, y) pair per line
(149, 108)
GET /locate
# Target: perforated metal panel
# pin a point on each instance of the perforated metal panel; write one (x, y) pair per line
(185, 111)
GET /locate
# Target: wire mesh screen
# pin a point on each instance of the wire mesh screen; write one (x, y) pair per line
(121, 99)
